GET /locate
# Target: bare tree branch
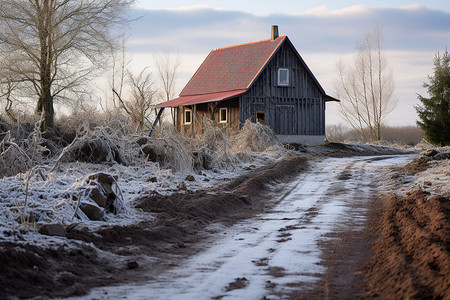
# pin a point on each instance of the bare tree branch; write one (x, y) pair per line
(55, 46)
(366, 88)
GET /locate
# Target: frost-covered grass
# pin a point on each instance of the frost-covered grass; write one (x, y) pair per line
(51, 191)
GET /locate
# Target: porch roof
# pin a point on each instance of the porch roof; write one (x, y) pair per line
(203, 98)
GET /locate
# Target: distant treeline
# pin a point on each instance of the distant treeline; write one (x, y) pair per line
(405, 135)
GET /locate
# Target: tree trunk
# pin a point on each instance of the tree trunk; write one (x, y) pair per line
(45, 104)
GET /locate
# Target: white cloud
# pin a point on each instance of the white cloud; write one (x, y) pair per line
(412, 34)
(191, 8)
(322, 11)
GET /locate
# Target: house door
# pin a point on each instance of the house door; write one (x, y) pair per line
(285, 119)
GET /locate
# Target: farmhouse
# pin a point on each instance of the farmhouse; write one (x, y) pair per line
(265, 81)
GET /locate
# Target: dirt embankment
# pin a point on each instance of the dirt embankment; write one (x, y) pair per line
(411, 257)
(128, 252)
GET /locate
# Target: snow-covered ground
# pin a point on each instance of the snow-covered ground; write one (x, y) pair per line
(51, 197)
(276, 252)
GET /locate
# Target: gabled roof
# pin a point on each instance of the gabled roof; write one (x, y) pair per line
(231, 68)
(230, 71)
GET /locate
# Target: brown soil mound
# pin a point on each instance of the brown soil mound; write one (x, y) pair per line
(417, 165)
(29, 271)
(412, 255)
(347, 150)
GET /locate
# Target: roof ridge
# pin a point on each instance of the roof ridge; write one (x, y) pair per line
(233, 90)
(283, 38)
(249, 43)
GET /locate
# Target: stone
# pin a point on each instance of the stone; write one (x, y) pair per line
(150, 153)
(182, 186)
(53, 230)
(93, 212)
(430, 152)
(102, 178)
(441, 156)
(102, 192)
(132, 265)
(152, 179)
(96, 195)
(141, 141)
(190, 178)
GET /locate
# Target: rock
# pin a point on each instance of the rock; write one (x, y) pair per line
(150, 152)
(152, 179)
(96, 195)
(132, 265)
(430, 152)
(190, 178)
(441, 156)
(102, 192)
(93, 212)
(182, 186)
(53, 230)
(102, 178)
(141, 141)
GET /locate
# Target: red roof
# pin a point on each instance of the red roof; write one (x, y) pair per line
(228, 72)
(196, 99)
(231, 68)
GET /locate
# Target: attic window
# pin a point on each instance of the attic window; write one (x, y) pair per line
(223, 115)
(187, 116)
(283, 77)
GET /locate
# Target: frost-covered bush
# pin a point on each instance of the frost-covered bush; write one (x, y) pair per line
(172, 148)
(256, 137)
(214, 147)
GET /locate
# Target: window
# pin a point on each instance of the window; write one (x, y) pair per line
(187, 116)
(223, 115)
(261, 117)
(283, 77)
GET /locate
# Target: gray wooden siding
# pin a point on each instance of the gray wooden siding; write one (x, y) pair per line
(298, 109)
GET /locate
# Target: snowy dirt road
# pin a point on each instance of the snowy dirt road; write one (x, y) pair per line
(277, 253)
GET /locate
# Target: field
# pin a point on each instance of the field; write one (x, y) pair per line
(173, 205)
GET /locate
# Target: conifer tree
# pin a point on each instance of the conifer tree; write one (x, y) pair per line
(434, 113)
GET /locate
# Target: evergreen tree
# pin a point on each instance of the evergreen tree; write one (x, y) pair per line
(434, 113)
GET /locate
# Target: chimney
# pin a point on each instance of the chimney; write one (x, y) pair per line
(274, 32)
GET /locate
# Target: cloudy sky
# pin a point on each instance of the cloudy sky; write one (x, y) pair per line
(322, 31)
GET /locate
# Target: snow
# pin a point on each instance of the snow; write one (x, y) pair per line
(279, 248)
(52, 196)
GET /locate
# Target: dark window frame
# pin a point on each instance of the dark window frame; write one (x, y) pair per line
(187, 121)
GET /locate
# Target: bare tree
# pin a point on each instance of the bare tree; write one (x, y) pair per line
(138, 105)
(366, 88)
(6, 91)
(53, 46)
(119, 73)
(167, 66)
